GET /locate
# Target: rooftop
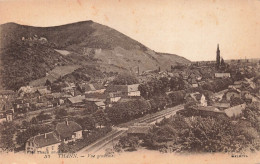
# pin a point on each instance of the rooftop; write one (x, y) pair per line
(235, 110)
(46, 139)
(138, 129)
(67, 128)
(76, 99)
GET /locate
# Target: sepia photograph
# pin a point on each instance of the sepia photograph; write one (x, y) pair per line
(129, 81)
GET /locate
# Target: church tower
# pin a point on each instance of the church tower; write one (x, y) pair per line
(218, 57)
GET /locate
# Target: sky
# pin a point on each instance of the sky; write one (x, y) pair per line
(189, 28)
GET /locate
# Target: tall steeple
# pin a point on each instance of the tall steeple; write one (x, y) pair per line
(218, 57)
(218, 51)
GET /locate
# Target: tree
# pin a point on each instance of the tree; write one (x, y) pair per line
(86, 122)
(30, 132)
(177, 97)
(144, 90)
(42, 116)
(8, 130)
(125, 79)
(197, 134)
(101, 118)
(129, 143)
(65, 148)
(25, 124)
(222, 63)
(48, 82)
(60, 113)
(165, 83)
(34, 120)
(234, 101)
(176, 83)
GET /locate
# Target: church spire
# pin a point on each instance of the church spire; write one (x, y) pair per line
(218, 57)
(218, 48)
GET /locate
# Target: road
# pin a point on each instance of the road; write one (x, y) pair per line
(118, 131)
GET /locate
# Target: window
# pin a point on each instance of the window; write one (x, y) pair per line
(52, 148)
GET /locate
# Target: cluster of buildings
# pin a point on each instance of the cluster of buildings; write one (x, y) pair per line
(80, 95)
(70, 95)
(221, 102)
(6, 109)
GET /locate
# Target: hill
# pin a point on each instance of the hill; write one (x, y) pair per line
(28, 53)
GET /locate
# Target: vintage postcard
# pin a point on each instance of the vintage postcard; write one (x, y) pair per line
(129, 81)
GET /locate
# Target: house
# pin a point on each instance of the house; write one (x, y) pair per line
(126, 90)
(232, 93)
(133, 90)
(235, 111)
(21, 106)
(68, 131)
(197, 97)
(100, 105)
(98, 102)
(56, 98)
(43, 91)
(235, 86)
(184, 75)
(24, 90)
(6, 94)
(219, 95)
(6, 116)
(222, 75)
(194, 83)
(203, 101)
(198, 78)
(30, 90)
(69, 90)
(221, 105)
(6, 98)
(47, 143)
(115, 96)
(95, 100)
(9, 115)
(2, 118)
(91, 88)
(208, 111)
(139, 130)
(77, 99)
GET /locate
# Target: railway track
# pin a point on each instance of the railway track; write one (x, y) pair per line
(117, 132)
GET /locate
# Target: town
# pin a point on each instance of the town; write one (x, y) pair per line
(65, 115)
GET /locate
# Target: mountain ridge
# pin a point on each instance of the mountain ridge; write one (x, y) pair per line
(28, 53)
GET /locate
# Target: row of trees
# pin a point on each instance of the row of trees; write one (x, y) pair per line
(125, 111)
(157, 87)
(217, 85)
(125, 79)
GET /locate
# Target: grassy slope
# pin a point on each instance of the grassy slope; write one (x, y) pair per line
(22, 62)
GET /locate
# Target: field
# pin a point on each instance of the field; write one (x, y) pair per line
(55, 74)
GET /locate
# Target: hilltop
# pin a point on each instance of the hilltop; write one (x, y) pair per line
(28, 53)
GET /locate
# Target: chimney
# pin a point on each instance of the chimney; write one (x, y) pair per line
(45, 135)
(67, 122)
